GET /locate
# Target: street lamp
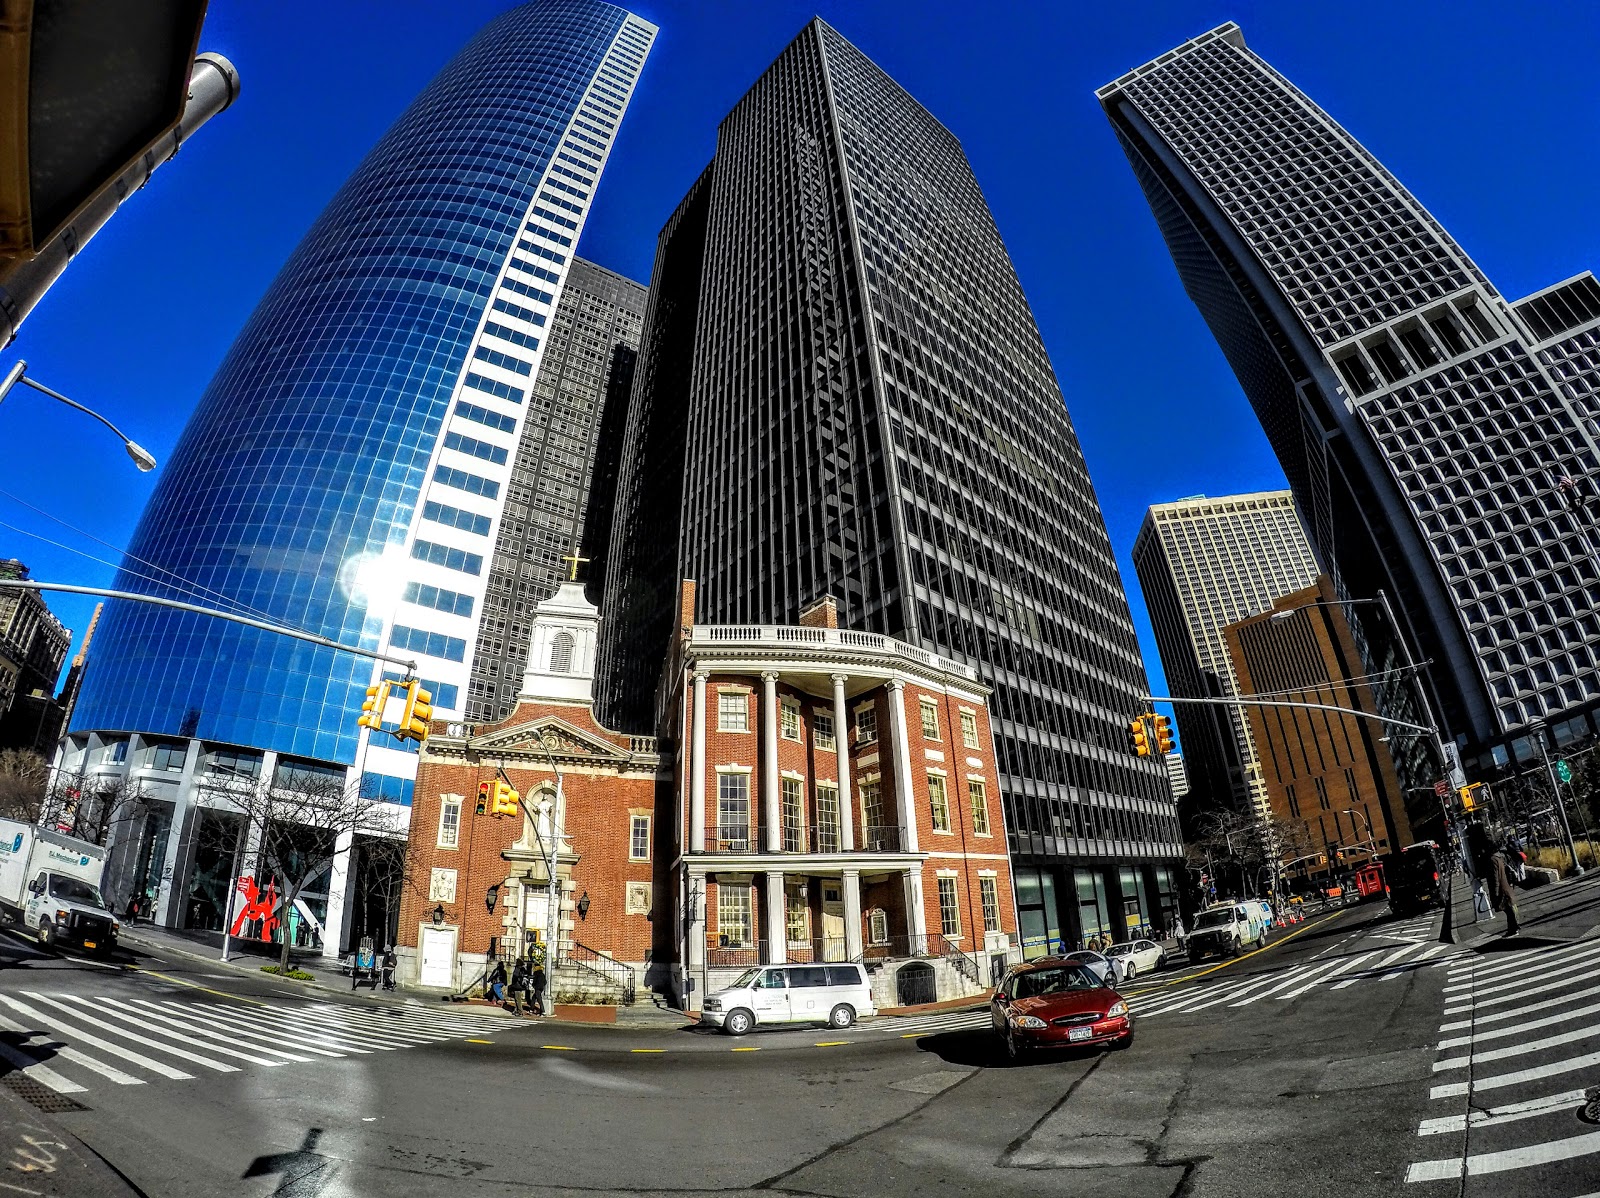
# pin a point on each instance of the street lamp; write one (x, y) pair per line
(142, 457)
(1371, 840)
(438, 915)
(1537, 732)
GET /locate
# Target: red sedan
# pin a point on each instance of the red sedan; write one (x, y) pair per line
(1052, 1003)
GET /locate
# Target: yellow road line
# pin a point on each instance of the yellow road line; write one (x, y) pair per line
(831, 1043)
(913, 1035)
(196, 986)
(470, 1040)
(1189, 977)
(751, 1049)
(559, 1047)
(647, 1050)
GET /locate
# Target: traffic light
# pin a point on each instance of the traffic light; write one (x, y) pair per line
(372, 710)
(1163, 735)
(1338, 856)
(1139, 738)
(505, 799)
(418, 714)
(1469, 796)
(1322, 858)
(485, 794)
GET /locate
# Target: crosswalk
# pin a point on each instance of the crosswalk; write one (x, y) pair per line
(929, 1025)
(1361, 965)
(72, 1042)
(1416, 930)
(1519, 1050)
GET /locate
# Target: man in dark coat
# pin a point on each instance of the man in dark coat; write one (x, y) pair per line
(519, 985)
(1501, 896)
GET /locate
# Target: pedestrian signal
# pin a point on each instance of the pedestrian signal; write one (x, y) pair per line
(1469, 796)
(1138, 738)
(372, 710)
(485, 794)
(418, 713)
(1163, 735)
(1563, 771)
(505, 799)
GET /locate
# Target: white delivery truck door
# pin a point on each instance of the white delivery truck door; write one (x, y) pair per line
(16, 843)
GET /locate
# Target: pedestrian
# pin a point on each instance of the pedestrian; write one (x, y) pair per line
(1178, 934)
(131, 914)
(497, 982)
(390, 961)
(1516, 858)
(519, 985)
(1501, 897)
(536, 980)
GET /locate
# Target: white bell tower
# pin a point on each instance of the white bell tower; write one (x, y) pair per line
(561, 648)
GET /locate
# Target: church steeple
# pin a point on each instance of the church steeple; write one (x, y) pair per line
(561, 647)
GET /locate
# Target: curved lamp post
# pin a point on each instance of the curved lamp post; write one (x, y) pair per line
(142, 457)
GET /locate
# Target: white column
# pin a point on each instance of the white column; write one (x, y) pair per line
(697, 771)
(777, 938)
(180, 844)
(904, 804)
(771, 814)
(916, 916)
(852, 914)
(337, 925)
(841, 741)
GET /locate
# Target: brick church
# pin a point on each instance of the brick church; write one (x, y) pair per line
(814, 794)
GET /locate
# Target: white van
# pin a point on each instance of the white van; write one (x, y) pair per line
(833, 994)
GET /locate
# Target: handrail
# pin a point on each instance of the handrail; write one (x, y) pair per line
(603, 966)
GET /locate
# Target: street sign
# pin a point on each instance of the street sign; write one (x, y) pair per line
(1442, 788)
(1563, 771)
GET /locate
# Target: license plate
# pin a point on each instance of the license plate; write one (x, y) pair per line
(1079, 1033)
(90, 944)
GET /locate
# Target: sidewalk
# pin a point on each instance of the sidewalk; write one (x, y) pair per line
(1534, 907)
(37, 1156)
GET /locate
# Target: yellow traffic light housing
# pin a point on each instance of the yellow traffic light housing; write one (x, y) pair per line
(505, 799)
(485, 794)
(418, 714)
(372, 710)
(1469, 796)
(1139, 738)
(1164, 742)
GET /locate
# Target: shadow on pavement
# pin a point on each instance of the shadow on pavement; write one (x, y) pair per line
(18, 1049)
(1511, 944)
(980, 1048)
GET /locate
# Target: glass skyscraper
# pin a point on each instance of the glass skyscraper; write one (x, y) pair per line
(1441, 441)
(347, 470)
(841, 391)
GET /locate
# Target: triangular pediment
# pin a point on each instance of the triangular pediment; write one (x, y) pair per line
(562, 740)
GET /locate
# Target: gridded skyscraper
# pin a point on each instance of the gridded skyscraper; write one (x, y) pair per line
(1204, 564)
(1440, 441)
(587, 369)
(870, 414)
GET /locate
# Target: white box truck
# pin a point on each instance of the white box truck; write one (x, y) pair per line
(50, 882)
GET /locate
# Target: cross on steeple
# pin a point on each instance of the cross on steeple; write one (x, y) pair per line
(572, 572)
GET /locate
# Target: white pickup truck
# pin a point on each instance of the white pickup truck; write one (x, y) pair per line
(50, 882)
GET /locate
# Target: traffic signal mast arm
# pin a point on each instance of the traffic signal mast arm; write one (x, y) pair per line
(1371, 715)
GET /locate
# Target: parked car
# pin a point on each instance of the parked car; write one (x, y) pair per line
(1098, 964)
(1138, 956)
(1413, 878)
(833, 994)
(1054, 1003)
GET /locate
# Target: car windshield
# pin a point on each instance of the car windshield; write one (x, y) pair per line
(76, 891)
(1120, 950)
(746, 979)
(1214, 919)
(1054, 981)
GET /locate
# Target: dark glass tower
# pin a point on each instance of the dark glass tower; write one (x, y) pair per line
(346, 470)
(1440, 441)
(870, 414)
(557, 473)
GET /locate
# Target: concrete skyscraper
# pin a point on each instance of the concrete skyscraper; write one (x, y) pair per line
(348, 469)
(842, 392)
(1441, 441)
(1204, 564)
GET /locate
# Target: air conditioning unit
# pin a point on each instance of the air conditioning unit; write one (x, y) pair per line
(734, 846)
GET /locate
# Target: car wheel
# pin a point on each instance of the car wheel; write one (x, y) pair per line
(47, 933)
(1233, 947)
(842, 1015)
(1015, 1049)
(1130, 972)
(1125, 1042)
(738, 1022)
(1261, 940)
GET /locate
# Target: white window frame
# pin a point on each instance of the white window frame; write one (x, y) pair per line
(939, 803)
(789, 721)
(954, 909)
(969, 730)
(447, 805)
(633, 830)
(729, 703)
(877, 926)
(749, 814)
(989, 888)
(747, 901)
(929, 714)
(975, 808)
(867, 725)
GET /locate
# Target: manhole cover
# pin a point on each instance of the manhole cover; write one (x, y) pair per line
(1589, 1112)
(41, 1095)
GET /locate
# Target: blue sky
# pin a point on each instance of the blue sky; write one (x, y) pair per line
(1486, 111)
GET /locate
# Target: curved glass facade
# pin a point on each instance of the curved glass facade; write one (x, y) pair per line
(308, 452)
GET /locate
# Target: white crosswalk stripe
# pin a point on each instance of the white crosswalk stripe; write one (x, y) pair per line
(72, 1042)
(1524, 1024)
(949, 1021)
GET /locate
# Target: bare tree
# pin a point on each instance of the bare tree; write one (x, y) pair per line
(295, 823)
(387, 870)
(24, 784)
(90, 806)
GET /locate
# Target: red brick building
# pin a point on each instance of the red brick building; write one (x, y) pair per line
(817, 794)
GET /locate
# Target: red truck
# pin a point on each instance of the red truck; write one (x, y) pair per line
(1369, 882)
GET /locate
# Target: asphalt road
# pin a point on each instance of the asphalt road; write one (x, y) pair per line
(1306, 1069)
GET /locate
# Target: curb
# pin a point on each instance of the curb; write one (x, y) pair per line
(56, 1161)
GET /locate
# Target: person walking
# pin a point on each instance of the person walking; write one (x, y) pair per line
(1179, 935)
(1501, 896)
(536, 981)
(390, 962)
(519, 985)
(496, 982)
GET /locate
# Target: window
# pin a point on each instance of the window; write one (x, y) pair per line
(822, 730)
(930, 720)
(639, 838)
(636, 898)
(511, 335)
(733, 810)
(441, 885)
(561, 647)
(979, 799)
(969, 730)
(797, 914)
(117, 752)
(386, 788)
(483, 416)
(444, 555)
(168, 757)
(307, 775)
(827, 817)
(877, 926)
(872, 816)
(442, 513)
(450, 822)
(733, 711)
(475, 448)
(794, 816)
(949, 911)
(939, 801)
(733, 915)
(989, 891)
(789, 721)
(497, 389)
(228, 763)
(424, 595)
(517, 310)
(866, 726)
(449, 476)
(434, 644)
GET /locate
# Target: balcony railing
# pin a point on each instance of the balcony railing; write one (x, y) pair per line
(817, 949)
(789, 635)
(811, 840)
(883, 839)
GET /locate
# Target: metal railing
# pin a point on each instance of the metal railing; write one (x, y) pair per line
(931, 944)
(884, 839)
(736, 956)
(817, 949)
(615, 974)
(842, 638)
(814, 839)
